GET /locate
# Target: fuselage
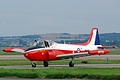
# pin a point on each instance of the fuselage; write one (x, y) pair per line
(50, 53)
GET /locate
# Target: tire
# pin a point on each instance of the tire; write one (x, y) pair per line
(33, 64)
(71, 64)
(45, 63)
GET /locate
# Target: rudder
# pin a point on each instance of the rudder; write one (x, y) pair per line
(94, 37)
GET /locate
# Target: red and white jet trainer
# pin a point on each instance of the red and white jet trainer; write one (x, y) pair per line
(47, 50)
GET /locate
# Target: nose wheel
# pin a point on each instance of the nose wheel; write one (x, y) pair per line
(45, 63)
(33, 64)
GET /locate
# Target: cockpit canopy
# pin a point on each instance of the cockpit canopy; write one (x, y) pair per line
(44, 43)
(41, 44)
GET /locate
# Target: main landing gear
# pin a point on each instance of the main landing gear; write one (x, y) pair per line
(71, 63)
(45, 63)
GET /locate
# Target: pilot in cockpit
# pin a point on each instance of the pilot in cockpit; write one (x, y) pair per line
(39, 43)
(36, 45)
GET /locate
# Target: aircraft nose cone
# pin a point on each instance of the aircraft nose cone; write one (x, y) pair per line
(32, 55)
(28, 55)
(36, 55)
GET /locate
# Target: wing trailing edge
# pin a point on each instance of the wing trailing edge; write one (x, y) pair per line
(73, 55)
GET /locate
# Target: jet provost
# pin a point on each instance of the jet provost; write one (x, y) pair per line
(46, 50)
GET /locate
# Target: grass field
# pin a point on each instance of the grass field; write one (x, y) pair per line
(64, 73)
(116, 52)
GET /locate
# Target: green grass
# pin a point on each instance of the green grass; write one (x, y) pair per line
(63, 73)
(116, 52)
(14, 62)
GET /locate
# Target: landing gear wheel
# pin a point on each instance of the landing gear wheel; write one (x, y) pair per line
(33, 64)
(71, 64)
(45, 63)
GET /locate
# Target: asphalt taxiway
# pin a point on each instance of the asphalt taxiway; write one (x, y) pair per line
(11, 57)
(104, 57)
(63, 66)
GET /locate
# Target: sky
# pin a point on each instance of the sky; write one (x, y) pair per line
(27, 17)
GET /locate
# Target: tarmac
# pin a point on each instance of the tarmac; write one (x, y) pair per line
(63, 66)
(104, 57)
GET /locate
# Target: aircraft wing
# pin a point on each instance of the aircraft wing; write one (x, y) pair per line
(73, 55)
(108, 47)
(21, 50)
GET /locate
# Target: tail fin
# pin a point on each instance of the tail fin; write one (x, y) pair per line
(93, 38)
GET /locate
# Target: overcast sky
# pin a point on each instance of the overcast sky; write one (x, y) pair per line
(24, 17)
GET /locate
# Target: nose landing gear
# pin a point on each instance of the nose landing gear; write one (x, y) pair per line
(33, 64)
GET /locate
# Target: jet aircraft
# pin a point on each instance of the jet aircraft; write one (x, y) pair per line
(46, 50)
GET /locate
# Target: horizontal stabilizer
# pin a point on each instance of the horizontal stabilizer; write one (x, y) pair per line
(108, 47)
